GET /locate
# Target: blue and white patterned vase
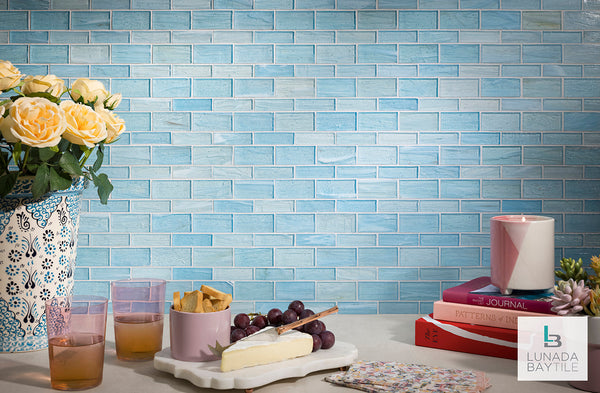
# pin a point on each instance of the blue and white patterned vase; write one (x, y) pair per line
(38, 246)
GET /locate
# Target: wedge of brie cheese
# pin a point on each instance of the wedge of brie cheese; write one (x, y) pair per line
(288, 345)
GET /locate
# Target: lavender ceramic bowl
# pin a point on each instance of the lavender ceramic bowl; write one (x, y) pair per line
(192, 333)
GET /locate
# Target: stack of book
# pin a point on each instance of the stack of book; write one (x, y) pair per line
(475, 317)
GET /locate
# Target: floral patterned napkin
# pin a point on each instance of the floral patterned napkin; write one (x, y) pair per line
(378, 376)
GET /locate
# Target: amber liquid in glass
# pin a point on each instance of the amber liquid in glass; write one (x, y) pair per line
(76, 361)
(138, 336)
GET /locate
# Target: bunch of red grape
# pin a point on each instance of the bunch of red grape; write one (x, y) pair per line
(244, 326)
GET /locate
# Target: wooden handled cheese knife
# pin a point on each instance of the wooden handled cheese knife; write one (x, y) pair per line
(271, 333)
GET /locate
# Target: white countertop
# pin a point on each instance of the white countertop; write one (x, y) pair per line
(377, 337)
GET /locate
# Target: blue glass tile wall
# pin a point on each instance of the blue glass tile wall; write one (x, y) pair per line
(348, 151)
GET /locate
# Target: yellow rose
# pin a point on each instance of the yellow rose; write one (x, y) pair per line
(84, 126)
(43, 84)
(114, 124)
(10, 76)
(34, 121)
(113, 101)
(89, 90)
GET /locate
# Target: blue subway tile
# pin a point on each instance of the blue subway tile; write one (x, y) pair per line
(460, 188)
(253, 20)
(335, 20)
(220, 223)
(253, 122)
(417, 87)
(335, 121)
(164, 54)
(376, 20)
(501, 20)
(408, 121)
(377, 53)
(582, 121)
(171, 20)
(500, 155)
(335, 189)
(238, 4)
(253, 54)
(577, 20)
(252, 290)
(253, 257)
(336, 291)
(459, 19)
(186, 273)
(214, 53)
(422, 53)
(500, 87)
(377, 257)
(294, 54)
(14, 20)
(290, 290)
(335, 257)
(212, 19)
(48, 20)
(459, 53)
(49, 53)
(380, 290)
(338, 54)
(542, 53)
(90, 20)
(171, 223)
(212, 88)
(131, 20)
(356, 4)
(377, 223)
(417, 20)
(28, 37)
(294, 20)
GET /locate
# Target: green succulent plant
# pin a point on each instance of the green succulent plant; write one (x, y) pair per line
(593, 308)
(594, 280)
(571, 269)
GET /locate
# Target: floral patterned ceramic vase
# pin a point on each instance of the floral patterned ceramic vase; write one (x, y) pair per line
(38, 245)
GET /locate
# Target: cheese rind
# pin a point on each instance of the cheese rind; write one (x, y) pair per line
(288, 345)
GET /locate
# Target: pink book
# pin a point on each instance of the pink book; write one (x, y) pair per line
(479, 315)
(480, 292)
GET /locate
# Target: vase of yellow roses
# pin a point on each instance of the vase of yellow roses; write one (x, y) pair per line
(45, 145)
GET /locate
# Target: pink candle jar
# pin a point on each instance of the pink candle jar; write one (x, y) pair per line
(522, 252)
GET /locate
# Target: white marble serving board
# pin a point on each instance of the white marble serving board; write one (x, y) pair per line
(209, 374)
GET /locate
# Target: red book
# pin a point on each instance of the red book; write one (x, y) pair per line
(465, 337)
(481, 292)
(479, 315)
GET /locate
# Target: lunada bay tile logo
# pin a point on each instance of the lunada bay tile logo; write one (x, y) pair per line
(552, 348)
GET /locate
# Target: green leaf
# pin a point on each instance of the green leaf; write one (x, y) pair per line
(63, 145)
(70, 164)
(59, 181)
(104, 186)
(99, 158)
(46, 153)
(3, 102)
(32, 168)
(77, 151)
(7, 182)
(4, 159)
(45, 95)
(41, 184)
